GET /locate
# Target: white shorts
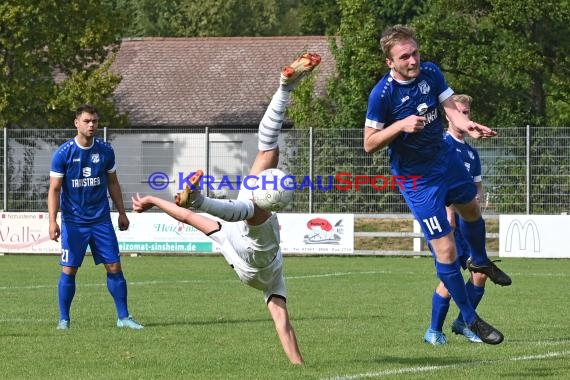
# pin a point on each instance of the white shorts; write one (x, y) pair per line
(254, 254)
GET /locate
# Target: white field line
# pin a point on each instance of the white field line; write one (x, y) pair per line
(333, 274)
(431, 368)
(168, 282)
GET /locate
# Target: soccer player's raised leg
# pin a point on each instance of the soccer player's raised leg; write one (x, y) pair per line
(268, 145)
(272, 121)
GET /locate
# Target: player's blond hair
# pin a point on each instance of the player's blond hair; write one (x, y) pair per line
(394, 35)
(462, 98)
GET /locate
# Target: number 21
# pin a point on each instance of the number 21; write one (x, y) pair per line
(64, 255)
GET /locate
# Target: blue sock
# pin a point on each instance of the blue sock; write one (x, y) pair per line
(439, 308)
(475, 235)
(450, 275)
(117, 286)
(474, 293)
(65, 294)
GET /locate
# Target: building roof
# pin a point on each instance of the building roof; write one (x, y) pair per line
(218, 81)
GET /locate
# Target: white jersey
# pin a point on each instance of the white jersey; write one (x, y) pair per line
(254, 253)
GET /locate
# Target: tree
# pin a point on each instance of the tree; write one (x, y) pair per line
(53, 57)
(151, 18)
(513, 54)
(229, 18)
(47, 47)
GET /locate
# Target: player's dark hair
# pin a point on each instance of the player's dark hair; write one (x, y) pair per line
(88, 108)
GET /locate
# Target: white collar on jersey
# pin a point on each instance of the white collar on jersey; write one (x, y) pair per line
(455, 138)
(400, 81)
(83, 147)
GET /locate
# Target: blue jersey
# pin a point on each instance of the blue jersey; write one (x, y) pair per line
(468, 155)
(84, 171)
(390, 101)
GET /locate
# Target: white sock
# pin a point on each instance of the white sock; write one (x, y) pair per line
(270, 125)
(227, 209)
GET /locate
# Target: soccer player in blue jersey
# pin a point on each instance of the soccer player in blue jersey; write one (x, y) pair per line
(82, 171)
(403, 115)
(475, 285)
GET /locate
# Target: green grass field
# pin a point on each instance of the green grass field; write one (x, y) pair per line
(355, 318)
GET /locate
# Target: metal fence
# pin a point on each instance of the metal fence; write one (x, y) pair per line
(525, 170)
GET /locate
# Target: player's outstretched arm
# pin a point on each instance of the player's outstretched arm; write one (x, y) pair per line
(461, 121)
(201, 223)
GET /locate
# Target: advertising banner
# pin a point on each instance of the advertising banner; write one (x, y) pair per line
(537, 236)
(28, 232)
(317, 233)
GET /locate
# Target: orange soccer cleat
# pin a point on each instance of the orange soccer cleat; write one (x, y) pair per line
(189, 195)
(303, 65)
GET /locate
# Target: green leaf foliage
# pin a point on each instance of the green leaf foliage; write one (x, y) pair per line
(512, 55)
(45, 47)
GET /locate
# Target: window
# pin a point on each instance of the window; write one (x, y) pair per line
(157, 156)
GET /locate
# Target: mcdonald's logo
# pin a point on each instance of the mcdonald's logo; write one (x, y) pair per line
(523, 233)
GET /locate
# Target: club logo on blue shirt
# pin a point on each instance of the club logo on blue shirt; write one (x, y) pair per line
(86, 171)
(424, 87)
(471, 155)
(95, 158)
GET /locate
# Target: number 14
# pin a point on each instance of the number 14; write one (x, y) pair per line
(432, 224)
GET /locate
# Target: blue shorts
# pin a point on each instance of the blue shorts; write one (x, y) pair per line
(447, 182)
(100, 237)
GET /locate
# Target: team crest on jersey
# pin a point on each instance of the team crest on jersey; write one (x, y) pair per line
(471, 155)
(424, 87)
(86, 171)
(95, 158)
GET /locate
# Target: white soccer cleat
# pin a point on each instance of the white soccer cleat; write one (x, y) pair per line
(129, 323)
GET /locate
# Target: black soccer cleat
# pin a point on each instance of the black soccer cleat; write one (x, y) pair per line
(486, 332)
(492, 271)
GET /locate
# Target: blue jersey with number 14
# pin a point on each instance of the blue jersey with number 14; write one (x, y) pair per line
(84, 189)
(391, 100)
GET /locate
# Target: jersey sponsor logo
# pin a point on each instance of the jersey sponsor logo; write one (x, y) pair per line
(86, 171)
(431, 116)
(422, 109)
(424, 87)
(76, 160)
(86, 182)
(95, 158)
